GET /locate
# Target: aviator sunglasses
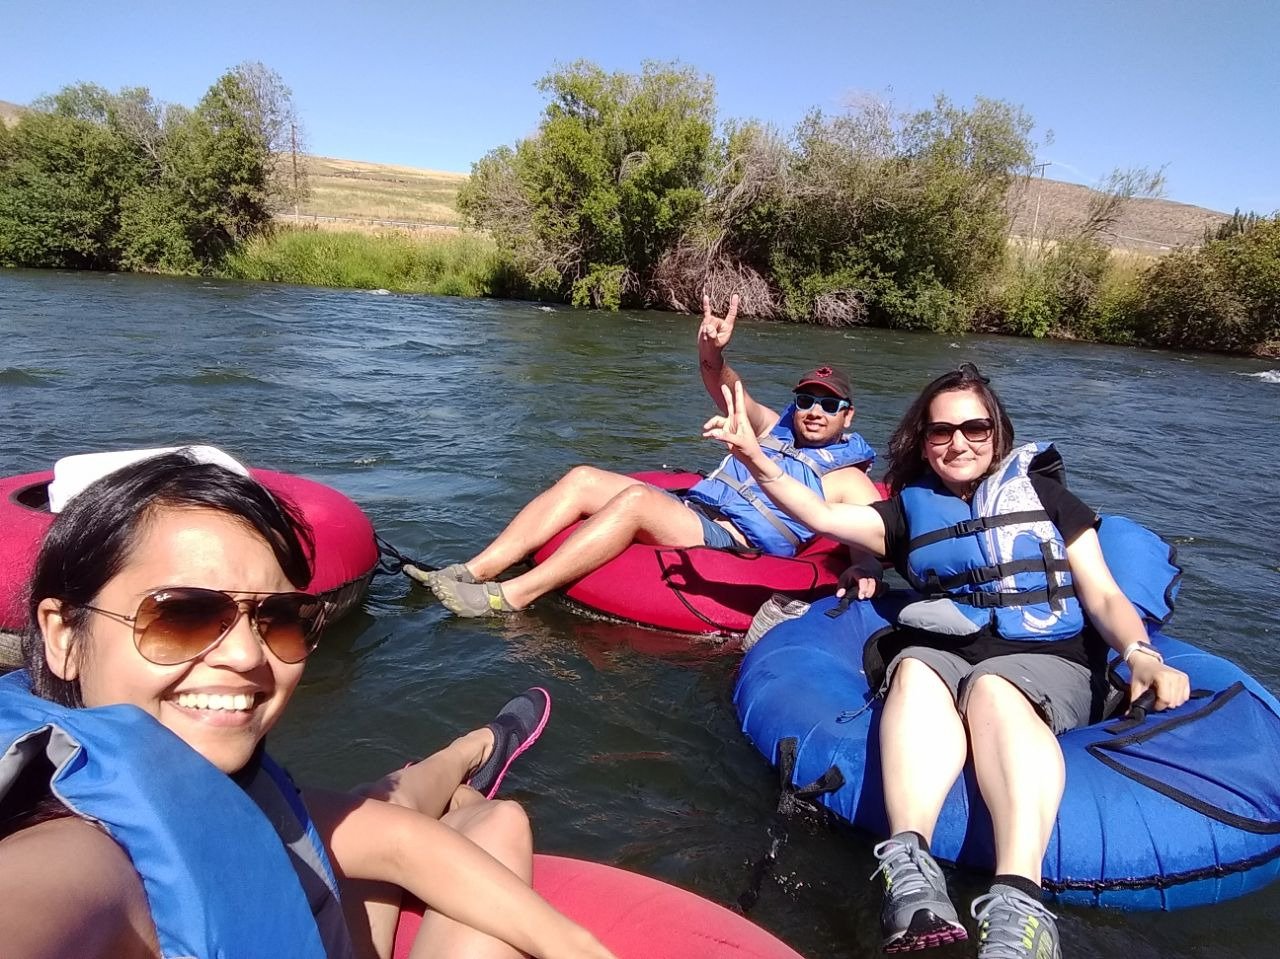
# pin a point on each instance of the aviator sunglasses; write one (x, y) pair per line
(975, 431)
(176, 624)
(831, 405)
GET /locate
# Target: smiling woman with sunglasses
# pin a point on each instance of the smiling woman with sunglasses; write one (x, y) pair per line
(1006, 647)
(168, 631)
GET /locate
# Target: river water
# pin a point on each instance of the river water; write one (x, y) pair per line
(441, 417)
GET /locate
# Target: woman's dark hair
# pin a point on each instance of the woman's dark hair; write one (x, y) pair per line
(907, 443)
(93, 538)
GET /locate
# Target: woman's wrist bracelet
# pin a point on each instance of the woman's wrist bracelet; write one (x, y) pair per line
(1138, 646)
(769, 479)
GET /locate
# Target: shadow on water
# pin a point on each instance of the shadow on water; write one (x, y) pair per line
(442, 417)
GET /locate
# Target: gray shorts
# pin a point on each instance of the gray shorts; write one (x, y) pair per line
(1060, 690)
(713, 534)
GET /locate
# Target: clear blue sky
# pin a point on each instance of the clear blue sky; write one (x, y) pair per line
(1191, 84)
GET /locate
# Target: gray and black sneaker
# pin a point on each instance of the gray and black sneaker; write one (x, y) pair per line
(1012, 925)
(917, 913)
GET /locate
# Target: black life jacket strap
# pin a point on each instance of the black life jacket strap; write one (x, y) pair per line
(969, 527)
(1030, 597)
(989, 574)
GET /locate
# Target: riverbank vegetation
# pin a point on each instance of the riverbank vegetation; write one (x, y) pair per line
(626, 195)
(445, 264)
(119, 181)
(632, 192)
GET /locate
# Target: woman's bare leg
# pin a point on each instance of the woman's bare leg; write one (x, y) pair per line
(922, 748)
(1021, 773)
(501, 828)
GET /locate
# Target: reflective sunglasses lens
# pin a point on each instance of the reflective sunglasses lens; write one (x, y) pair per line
(830, 405)
(176, 625)
(289, 624)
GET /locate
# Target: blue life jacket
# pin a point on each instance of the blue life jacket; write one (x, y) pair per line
(219, 879)
(732, 492)
(996, 561)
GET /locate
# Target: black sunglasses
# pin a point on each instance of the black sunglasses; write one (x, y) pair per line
(975, 431)
(831, 405)
(176, 624)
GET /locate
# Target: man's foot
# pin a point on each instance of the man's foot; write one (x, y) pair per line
(516, 727)
(917, 913)
(471, 599)
(1012, 925)
(427, 577)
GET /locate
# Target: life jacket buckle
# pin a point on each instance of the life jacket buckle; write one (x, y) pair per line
(968, 527)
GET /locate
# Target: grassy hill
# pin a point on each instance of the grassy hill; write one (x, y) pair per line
(355, 194)
(351, 194)
(10, 113)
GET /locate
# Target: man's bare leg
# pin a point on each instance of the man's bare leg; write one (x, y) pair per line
(638, 513)
(583, 491)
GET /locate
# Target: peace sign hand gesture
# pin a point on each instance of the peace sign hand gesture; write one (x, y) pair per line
(734, 430)
(715, 332)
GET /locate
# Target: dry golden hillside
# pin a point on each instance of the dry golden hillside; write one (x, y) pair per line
(353, 193)
(10, 113)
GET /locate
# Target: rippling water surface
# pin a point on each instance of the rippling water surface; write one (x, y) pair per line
(442, 417)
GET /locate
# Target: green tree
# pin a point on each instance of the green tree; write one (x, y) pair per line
(610, 180)
(92, 179)
(1223, 296)
(63, 173)
(898, 218)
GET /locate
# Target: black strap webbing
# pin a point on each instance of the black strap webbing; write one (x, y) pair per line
(970, 526)
(792, 799)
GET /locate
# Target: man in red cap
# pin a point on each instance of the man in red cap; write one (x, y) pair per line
(811, 440)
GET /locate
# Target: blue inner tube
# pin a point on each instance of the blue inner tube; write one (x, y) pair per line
(1178, 810)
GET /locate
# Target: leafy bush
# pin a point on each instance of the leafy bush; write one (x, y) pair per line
(97, 180)
(613, 176)
(1224, 296)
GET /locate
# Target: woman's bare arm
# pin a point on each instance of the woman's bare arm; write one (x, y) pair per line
(68, 889)
(1115, 618)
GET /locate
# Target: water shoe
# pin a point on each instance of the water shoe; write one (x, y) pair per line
(516, 727)
(427, 577)
(471, 599)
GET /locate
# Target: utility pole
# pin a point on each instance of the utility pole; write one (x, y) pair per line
(1035, 220)
(293, 139)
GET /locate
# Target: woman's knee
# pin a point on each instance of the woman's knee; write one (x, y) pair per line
(988, 696)
(915, 678)
(500, 823)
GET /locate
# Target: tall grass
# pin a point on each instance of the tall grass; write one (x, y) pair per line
(461, 264)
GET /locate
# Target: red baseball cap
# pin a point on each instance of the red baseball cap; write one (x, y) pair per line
(829, 378)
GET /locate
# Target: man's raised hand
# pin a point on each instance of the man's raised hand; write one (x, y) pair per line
(716, 331)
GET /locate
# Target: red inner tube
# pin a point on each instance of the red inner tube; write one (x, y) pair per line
(634, 916)
(346, 551)
(699, 590)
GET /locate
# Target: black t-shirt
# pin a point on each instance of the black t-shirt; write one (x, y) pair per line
(1068, 513)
